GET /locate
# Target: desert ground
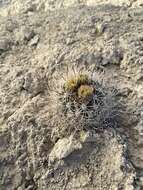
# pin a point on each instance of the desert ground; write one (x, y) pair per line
(71, 95)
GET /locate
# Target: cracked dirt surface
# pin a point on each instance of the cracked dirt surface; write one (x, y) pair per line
(35, 44)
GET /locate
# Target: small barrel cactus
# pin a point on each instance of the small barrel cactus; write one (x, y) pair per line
(82, 102)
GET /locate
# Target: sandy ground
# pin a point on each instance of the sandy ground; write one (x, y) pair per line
(39, 40)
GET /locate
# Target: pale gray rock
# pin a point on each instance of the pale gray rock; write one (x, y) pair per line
(63, 148)
(34, 41)
(24, 34)
(4, 45)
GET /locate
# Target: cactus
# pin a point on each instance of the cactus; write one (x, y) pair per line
(81, 103)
